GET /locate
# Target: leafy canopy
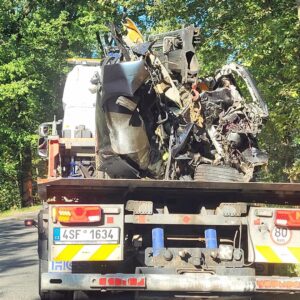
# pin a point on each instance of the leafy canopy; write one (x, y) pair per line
(36, 37)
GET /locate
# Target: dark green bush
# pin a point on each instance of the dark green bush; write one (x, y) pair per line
(9, 195)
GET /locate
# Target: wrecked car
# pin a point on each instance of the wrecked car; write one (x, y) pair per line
(158, 117)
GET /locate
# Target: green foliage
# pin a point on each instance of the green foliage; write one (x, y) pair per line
(294, 171)
(262, 35)
(37, 36)
(9, 195)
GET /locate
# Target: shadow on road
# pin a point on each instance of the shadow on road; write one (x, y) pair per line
(18, 260)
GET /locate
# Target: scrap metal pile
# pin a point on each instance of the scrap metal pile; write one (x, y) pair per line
(157, 118)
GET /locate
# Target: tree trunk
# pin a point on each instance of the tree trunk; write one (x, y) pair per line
(26, 178)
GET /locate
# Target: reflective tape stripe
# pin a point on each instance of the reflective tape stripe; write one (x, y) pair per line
(86, 252)
(285, 255)
(296, 252)
(68, 253)
(268, 254)
(277, 254)
(103, 252)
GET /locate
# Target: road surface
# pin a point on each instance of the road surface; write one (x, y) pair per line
(18, 260)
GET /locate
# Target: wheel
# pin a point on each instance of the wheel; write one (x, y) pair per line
(99, 174)
(42, 250)
(210, 173)
(42, 237)
(53, 295)
(43, 268)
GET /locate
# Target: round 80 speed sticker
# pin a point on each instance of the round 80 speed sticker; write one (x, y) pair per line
(280, 235)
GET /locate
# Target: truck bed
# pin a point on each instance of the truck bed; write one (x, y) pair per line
(258, 192)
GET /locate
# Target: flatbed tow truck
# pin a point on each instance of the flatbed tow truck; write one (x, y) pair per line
(160, 239)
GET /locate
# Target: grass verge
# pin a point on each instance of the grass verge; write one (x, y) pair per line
(18, 211)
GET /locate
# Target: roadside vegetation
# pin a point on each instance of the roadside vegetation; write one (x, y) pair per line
(36, 38)
(15, 212)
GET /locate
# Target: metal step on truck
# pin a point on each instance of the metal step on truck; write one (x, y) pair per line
(151, 188)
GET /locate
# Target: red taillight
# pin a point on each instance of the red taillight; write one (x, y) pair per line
(76, 214)
(30, 222)
(122, 282)
(288, 218)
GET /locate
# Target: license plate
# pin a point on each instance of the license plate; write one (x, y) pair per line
(90, 235)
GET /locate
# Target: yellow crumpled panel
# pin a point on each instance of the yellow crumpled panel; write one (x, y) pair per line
(132, 32)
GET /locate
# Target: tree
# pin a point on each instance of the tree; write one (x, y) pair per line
(262, 35)
(36, 37)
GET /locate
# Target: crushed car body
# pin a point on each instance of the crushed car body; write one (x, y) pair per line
(156, 117)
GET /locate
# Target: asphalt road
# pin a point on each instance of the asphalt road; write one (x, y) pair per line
(18, 260)
(19, 263)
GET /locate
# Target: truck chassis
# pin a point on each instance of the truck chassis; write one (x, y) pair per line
(245, 216)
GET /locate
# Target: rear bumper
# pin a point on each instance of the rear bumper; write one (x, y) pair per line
(192, 282)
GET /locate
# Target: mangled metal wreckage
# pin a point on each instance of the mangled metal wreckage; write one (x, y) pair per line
(157, 118)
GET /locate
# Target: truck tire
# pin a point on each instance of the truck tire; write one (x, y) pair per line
(99, 174)
(210, 173)
(42, 237)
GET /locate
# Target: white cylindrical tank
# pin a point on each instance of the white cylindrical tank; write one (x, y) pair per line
(78, 100)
